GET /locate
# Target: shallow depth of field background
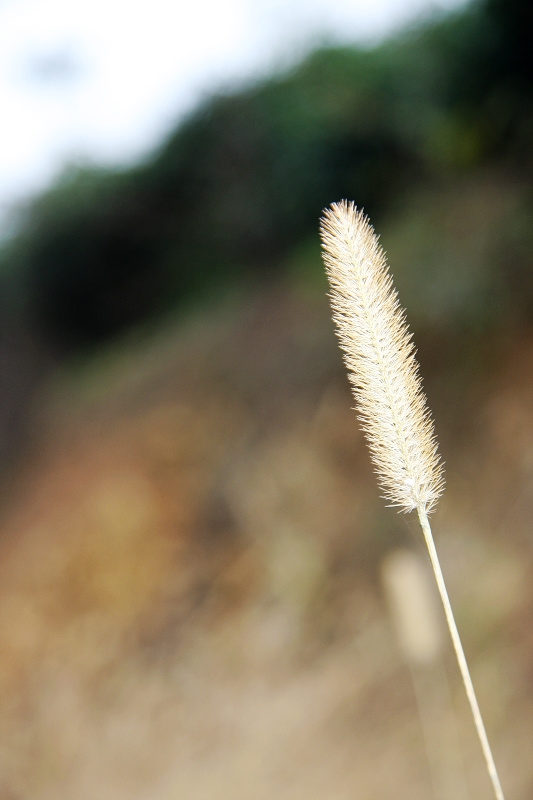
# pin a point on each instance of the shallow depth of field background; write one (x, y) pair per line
(192, 544)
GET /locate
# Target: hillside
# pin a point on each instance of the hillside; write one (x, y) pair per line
(190, 593)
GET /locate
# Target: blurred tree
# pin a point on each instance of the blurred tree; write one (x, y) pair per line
(241, 183)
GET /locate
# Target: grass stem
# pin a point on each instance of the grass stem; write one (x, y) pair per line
(459, 652)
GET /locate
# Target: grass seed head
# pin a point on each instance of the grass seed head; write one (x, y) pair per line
(380, 358)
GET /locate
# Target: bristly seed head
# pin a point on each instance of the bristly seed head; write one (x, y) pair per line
(380, 358)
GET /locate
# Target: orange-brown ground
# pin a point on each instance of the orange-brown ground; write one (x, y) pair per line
(190, 597)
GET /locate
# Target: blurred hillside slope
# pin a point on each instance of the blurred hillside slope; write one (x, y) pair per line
(190, 602)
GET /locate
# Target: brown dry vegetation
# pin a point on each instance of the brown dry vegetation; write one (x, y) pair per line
(190, 604)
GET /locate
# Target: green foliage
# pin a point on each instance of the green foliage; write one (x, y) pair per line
(240, 184)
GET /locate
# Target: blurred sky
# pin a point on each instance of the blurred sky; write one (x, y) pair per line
(101, 81)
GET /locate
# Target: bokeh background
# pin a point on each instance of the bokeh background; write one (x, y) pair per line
(196, 597)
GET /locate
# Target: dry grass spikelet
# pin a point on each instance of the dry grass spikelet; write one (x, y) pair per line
(380, 358)
(383, 370)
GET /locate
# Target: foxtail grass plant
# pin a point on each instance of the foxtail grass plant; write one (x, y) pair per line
(380, 358)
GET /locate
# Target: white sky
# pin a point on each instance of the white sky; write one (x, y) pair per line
(104, 80)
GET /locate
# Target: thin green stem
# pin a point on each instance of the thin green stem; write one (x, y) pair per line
(461, 659)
